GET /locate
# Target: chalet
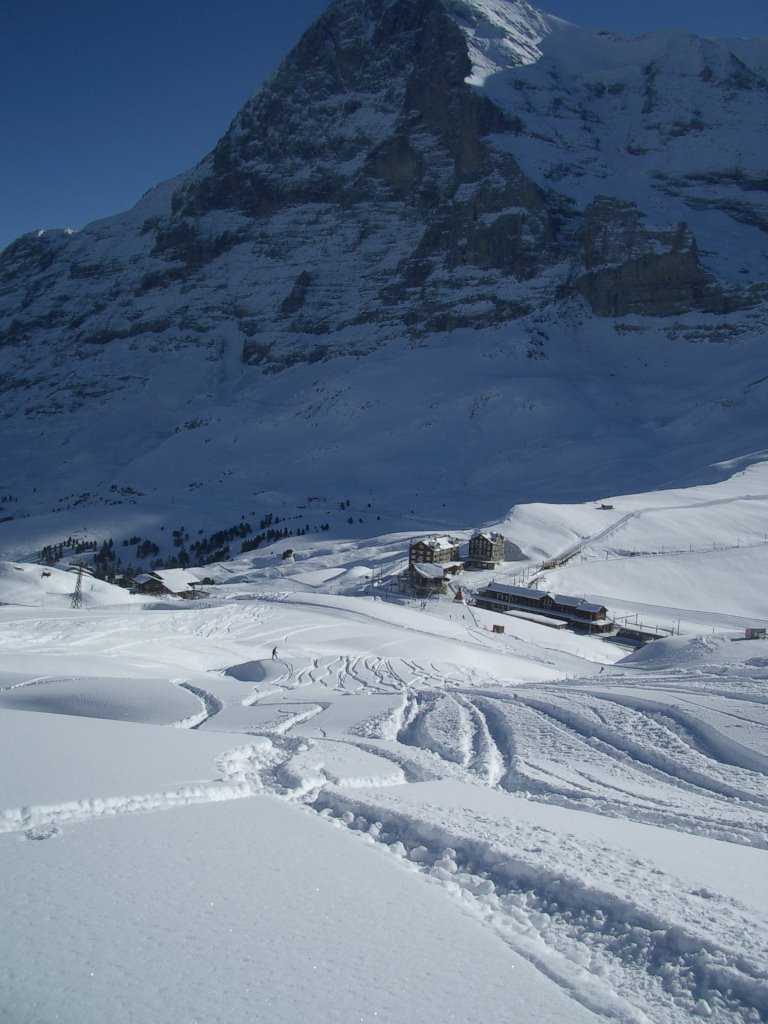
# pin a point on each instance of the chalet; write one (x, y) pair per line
(581, 614)
(437, 551)
(486, 550)
(165, 582)
(423, 579)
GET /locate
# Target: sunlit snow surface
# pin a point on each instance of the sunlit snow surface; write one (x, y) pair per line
(500, 35)
(402, 816)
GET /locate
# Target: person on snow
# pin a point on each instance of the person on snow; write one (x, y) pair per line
(274, 654)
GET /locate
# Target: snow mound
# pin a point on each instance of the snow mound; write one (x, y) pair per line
(685, 652)
(148, 701)
(36, 586)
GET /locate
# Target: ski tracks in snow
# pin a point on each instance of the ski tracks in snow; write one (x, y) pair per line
(614, 954)
(211, 706)
(627, 941)
(45, 821)
(618, 947)
(618, 935)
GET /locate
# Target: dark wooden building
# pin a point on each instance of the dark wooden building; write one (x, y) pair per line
(579, 613)
(164, 582)
(435, 551)
(423, 579)
(486, 550)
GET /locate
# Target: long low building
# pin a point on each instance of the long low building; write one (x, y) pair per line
(501, 597)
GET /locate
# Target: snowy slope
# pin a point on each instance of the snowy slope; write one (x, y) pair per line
(402, 812)
(501, 35)
(457, 265)
(457, 252)
(655, 120)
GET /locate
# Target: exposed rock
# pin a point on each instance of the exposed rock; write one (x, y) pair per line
(414, 167)
(635, 269)
(658, 284)
(293, 302)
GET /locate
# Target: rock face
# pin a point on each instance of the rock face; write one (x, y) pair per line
(414, 167)
(371, 151)
(370, 122)
(634, 270)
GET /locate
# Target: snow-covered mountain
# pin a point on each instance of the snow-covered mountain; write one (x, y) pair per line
(453, 254)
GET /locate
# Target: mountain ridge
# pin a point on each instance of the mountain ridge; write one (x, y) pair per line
(519, 199)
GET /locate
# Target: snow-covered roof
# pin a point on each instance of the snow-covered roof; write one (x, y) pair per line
(429, 571)
(439, 543)
(528, 592)
(578, 602)
(175, 580)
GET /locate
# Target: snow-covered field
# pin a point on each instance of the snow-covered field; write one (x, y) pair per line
(403, 815)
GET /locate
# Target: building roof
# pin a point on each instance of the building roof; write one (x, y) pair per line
(428, 571)
(528, 592)
(578, 602)
(438, 543)
(563, 600)
(175, 580)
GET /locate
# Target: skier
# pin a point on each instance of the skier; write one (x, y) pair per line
(274, 654)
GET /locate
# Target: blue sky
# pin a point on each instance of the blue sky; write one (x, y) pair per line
(101, 99)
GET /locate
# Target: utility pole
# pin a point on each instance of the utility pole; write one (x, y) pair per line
(77, 596)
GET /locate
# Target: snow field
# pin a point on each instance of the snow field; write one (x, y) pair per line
(544, 826)
(627, 952)
(248, 911)
(545, 829)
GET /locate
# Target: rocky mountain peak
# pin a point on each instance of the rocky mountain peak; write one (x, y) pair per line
(500, 34)
(348, 101)
(414, 172)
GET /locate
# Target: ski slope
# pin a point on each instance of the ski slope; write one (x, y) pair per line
(403, 814)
